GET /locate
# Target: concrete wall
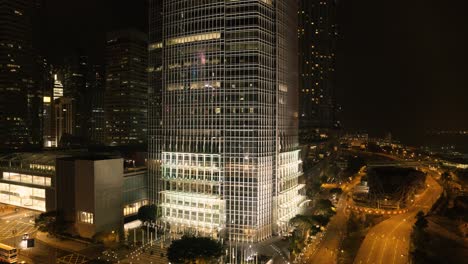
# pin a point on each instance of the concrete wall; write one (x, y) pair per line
(108, 183)
(98, 190)
(92, 185)
(65, 188)
(84, 195)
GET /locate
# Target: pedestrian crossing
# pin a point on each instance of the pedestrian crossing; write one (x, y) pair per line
(73, 258)
(148, 255)
(15, 228)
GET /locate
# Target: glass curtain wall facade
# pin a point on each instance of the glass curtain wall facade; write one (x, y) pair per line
(224, 156)
(18, 93)
(126, 88)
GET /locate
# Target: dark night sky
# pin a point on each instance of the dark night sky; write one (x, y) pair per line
(402, 63)
(82, 24)
(403, 66)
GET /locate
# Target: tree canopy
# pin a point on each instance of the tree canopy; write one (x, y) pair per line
(47, 222)
(148, 213)
(336, 191)
(324, 207)
(421, 221)
(446, 176)
(191, 249)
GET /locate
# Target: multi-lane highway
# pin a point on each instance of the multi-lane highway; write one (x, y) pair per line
(327, 250)
(388, 242)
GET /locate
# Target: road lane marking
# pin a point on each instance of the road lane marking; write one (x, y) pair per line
(372, 249)
(395, 251)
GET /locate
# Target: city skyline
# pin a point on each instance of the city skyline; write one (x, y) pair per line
(233, 131)
(354, 93)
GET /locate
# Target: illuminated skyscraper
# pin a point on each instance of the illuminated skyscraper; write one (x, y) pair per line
(74, 87)
(45, 79)
(96, 122)
(317, 33)
(58, 87)
(63, 118)
(18, 93)
(223, 145)
(126, 92)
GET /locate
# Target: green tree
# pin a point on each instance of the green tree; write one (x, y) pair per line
(336, 191)
(419, 238)
(191, 250)
(446, 177)
(148, 213)
(49, 223)
(324, 207)
(324, 179)
(421, 221)
(320, 219)
(313, 189)
(303, 223)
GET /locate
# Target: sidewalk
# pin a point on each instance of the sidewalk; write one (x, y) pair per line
(6, 210)
(63, 244)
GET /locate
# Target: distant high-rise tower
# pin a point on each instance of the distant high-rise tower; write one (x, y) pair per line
(96, 123)
(74, 87)
(63, 119)
(18, 93)
(45, 79)
(223, 150)
(126, 94)
(317, 40)
(58, 88)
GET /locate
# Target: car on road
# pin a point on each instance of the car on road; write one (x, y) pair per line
(25, 236)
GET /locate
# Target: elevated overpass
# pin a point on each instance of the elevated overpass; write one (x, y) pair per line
(398, 163)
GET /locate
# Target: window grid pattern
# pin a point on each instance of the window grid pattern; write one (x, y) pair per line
(28, 197)
(289, 193)
(85, 217)
(192, 198)
(220, 98)
(26, 178)
(132, 209)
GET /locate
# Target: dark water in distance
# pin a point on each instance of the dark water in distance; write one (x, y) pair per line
(459, 142)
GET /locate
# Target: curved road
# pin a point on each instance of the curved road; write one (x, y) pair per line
(327, 249)
(388, 242)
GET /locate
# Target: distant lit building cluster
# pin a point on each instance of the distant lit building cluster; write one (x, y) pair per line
(73, 104)
(212, 89)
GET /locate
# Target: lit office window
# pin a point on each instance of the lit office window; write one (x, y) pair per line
(85, 217)
(25, 178)
(132, 208)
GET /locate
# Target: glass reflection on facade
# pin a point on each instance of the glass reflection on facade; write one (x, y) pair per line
(223, 141)
(23, 196)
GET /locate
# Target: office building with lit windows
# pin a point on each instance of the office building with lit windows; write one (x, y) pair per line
(96, 122)
(317, 33)
(63, 119)
(75, 87)
(93, 191)
(126, 88)
(223, 147)
(18, 93)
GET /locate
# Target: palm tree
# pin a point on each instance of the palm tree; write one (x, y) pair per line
(303, 223)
